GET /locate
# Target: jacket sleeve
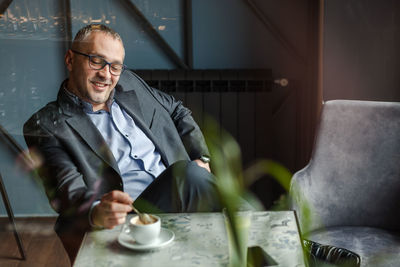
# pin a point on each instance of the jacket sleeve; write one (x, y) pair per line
(187, 128)
(65, 188)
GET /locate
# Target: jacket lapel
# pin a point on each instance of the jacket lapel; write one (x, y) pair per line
(91, 135)
(82, 124)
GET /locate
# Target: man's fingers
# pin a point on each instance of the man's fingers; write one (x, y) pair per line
(110, 219)
(112, 209)
(115, 207)
(112, 222)
(117, 221)
(115, 217)
(118, 196)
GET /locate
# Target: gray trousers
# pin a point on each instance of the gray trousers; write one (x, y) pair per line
(182, 187)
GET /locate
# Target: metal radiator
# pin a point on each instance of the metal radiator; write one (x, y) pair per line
(243, 102)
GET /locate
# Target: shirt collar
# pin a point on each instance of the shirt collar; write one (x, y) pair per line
(86, 106)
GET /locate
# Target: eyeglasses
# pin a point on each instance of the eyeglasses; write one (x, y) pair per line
(98, 63)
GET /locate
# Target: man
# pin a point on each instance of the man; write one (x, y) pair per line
(109, 140)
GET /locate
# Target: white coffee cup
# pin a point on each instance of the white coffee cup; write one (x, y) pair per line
(144, 233)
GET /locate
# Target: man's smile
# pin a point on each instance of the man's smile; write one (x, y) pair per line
(100, 85)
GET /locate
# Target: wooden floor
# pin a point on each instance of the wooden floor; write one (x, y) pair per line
(42, 246)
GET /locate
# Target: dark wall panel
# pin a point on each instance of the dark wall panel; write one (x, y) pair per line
(361, 51)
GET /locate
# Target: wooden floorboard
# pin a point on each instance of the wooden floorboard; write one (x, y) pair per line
(42, 246)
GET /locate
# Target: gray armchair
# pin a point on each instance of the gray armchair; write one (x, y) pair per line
(352, 182)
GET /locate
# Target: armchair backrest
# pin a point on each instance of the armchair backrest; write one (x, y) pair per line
(353, 177)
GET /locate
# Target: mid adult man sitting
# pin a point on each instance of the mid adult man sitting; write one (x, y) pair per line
(109, 140)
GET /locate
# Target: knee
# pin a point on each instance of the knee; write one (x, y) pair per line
(198, 176)
(192, 175)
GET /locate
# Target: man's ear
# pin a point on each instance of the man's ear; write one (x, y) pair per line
(68, 59)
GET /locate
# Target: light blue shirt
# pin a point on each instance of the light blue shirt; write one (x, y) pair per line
(138, 160)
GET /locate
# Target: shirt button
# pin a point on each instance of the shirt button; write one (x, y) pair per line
(135, 156)
(127, 135)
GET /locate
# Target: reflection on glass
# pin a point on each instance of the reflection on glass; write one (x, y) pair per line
(34, 20)
(46, 19)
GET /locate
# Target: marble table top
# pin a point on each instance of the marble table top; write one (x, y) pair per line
(200, 240)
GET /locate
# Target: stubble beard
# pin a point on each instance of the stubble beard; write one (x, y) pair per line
(97, 99)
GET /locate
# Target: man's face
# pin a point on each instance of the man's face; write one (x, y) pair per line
(94, 86)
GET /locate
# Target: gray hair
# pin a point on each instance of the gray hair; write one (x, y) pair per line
(83, 33)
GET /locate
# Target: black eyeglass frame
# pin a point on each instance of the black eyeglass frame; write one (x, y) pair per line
(105, 62)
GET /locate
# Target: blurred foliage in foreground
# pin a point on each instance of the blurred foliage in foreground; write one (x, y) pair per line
(233, 183)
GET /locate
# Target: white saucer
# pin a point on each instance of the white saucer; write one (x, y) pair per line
(166, 237)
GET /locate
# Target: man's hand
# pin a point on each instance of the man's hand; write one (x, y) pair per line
(112, 209)
(203, 165)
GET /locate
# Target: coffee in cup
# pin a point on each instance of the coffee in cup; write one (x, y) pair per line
(144, 233)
